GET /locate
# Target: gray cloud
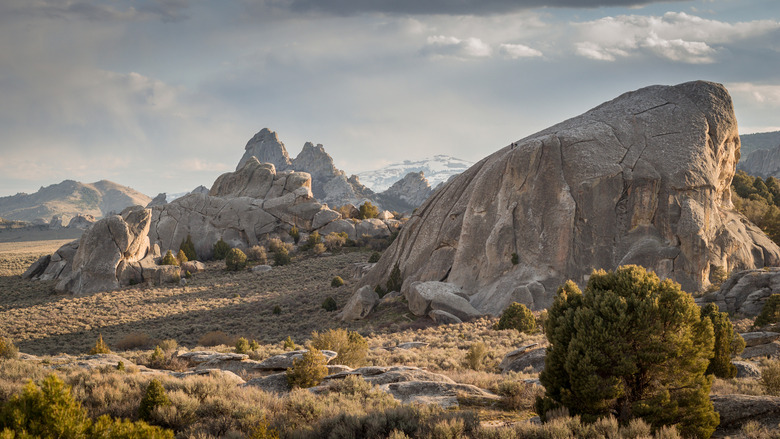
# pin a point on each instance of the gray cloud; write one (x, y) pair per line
(443, 7)
(97, 10)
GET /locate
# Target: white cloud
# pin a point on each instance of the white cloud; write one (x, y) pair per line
(764, 95)
(444, 46)
(675, 36)
(515, 51)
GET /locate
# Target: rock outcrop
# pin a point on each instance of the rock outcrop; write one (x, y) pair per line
(115, 251)
(745, 292)
(159, 200)
(242, 208)
(762, 162)
(643, 179)
(407, 193)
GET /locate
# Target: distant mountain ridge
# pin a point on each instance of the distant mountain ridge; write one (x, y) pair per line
(760, 154)
(69, 199)
(437, 169)
(756, 141)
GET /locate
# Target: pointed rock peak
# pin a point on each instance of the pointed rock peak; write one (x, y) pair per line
(267, 148)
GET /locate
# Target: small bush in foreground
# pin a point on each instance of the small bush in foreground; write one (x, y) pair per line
(517, 316)
(215, 338)
(475, 357)
(288, 344)
(330, 304)
(100, 347)
(188, 247)
(515, 259)
(154, 397)
(282, 257)
(367, 211)
(350, 346)
(309, 370)
(277, 310)
(770, 377)
(181, 257)
(169, 259)
(242, 346)
(337, 282)
(258, 254)
(7, 349)
(770, 313)
(220, 249)
(235, 260)
(374, 258)
(295, 234)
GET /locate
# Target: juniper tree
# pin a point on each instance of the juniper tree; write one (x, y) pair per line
(632, 346)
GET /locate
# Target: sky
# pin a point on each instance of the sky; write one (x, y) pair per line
(162, 95)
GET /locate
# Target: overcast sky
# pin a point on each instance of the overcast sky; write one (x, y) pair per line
(162, 95)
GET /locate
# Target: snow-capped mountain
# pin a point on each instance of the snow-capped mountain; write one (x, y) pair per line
(437, 169)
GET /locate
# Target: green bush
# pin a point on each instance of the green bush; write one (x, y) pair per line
(475, 357)
(728, 343)
(368, 210)
(295, 234)
(277, 310)
(337, 282)
(220, 249)
(395, 280)
(181, 257)
(235, 260)
(282, 257)
(515, 259)
(258, 254)
(7, 349)
(289, 344)
(330, 304)
(770, 377)
(100, 347)
(309, 370)
(254, 345)
(242, 346)
(313, 239)
(334, 241)
(50, 411)
(517, 316)
(770, 313)
(630, 345)
(350, 346)
(374, 258)
(154, 397)
(188, 247)
(157, 359)
(169, 259)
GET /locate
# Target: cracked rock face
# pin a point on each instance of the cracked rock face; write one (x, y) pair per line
(643, 179)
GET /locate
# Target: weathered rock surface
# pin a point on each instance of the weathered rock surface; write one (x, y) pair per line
(759, 338)
(159, 200)
(736, 410)
(515, 354)
(275, 383)
(439, 393)
(443, 317)
(82, 222)
(199, 357)
(392, 374)
(360, 304)
(424, 297)
(745, 292)
(643, 179)
(746, 369)
(407, 193)
(769, 350)
(285, 360)
(519, 362)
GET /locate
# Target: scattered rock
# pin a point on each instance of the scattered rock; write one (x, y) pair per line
(439, 393)
(213, 373)
(193, 267)
(443, 317)
(533, 359)
(159, 200)
(276, 383)
(759, 338)
(261, 268)
(392, 374)
(285, 360)
(424, 297)
(359, 305)
(762, 351)
(199, 357)
(746, 369)
(359, 269)
(514, 355)
(412, 345)
(745, 292)
(736, 410)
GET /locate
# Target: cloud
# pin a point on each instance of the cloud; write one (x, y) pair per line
(97, 10)
(452, 47)
(675, 36)
(763, 95)
(441, 7)
(515, 51)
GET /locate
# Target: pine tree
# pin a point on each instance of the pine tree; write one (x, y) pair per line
(727, 343)
(633, 346)
(188, 247)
